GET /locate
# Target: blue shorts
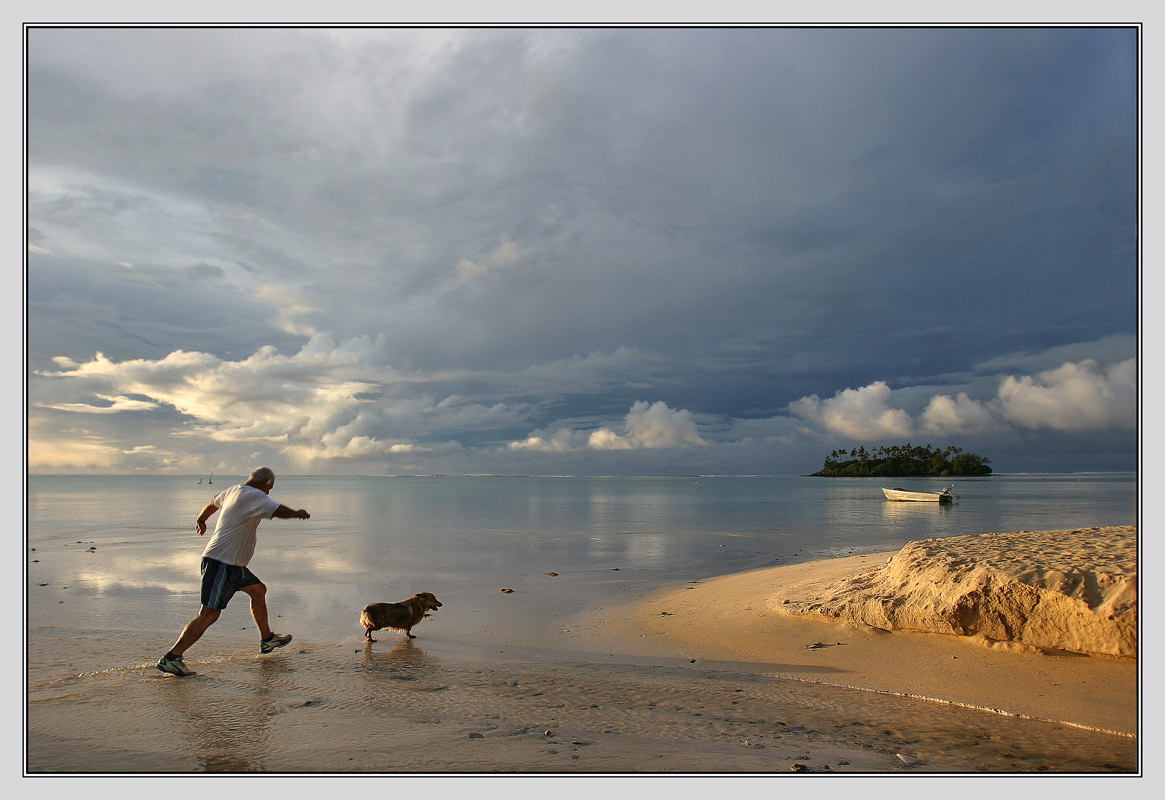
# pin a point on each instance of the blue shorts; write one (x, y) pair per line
(220, 582)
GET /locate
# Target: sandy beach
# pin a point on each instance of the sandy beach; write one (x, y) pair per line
(882, 622)
(752, 673)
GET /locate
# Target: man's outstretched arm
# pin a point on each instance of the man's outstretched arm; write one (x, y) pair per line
(283, 512)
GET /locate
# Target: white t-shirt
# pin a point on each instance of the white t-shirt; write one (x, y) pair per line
(241, 508)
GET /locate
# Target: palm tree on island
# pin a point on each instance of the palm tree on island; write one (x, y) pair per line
(903, 461)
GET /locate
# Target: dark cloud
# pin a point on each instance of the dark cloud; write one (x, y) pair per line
(521, 233)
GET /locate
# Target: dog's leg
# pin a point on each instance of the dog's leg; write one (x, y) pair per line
(368, 634)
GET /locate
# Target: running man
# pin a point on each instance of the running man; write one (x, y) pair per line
(224, 563)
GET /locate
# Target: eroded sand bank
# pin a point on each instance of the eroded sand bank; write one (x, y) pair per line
(857, 622)
(1072, 590)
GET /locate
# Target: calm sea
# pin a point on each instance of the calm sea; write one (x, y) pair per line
(124, 549)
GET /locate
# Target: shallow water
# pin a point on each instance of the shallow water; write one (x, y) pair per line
(113, 575)
(464, 539)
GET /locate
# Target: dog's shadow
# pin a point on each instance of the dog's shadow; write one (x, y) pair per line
(404, 662)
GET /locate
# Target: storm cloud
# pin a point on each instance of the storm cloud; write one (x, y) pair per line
(579, 250)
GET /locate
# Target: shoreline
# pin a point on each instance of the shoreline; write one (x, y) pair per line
(739, 618)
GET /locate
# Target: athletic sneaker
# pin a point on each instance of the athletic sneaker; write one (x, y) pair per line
(174, 666)
(273, 641)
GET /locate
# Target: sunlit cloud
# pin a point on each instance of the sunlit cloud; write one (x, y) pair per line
(325, 402)
(340, 446)
(73, 450)
(958, 415)
(117, 405)
(1073, 397)
(648, 426)
(290, 307)
(561, 441)
(861, 414)
(266, 397)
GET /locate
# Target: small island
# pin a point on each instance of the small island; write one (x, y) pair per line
(903, 461)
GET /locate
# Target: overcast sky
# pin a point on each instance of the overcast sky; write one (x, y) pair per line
(579, 250)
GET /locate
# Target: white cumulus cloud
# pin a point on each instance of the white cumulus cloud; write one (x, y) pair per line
(957, 415)
(863, 414)
(562, 440)
(1080, 396)
(1073, 397)
(648, 426)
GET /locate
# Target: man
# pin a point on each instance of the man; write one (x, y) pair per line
(224, 563)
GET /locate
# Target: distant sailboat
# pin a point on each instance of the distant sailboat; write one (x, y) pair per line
(199, 479)
(211, 480)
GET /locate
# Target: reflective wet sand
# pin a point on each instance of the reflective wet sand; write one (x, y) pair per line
(418, 707)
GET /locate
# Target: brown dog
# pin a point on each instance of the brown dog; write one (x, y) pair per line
(401, 616)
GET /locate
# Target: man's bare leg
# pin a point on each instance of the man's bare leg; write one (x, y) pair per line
(194, 629)
(258, 595)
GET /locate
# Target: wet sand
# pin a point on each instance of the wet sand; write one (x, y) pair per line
(401, 708)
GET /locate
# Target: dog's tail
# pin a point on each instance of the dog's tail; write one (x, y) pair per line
(365, 620)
